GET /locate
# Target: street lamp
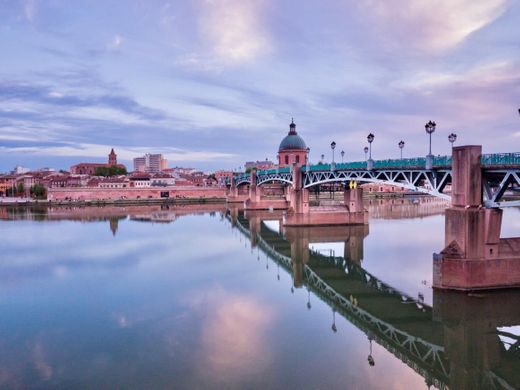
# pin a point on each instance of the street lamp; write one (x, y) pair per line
(452, 138)
(401, 146)
(365, 149)
(333, 146)
(322, 158)
(308, 158)
(430, 129)
(370, 162)
(342, 155)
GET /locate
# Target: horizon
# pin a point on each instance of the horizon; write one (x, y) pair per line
(211, 85)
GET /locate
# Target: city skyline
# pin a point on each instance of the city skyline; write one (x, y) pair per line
(213, 84)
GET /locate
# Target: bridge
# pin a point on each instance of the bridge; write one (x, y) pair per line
(474, 256)
(500, 172)
(454, 344)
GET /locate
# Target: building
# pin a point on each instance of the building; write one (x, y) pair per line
(19, 170)
(114, 182)
(150, 163)
(292, 149)
(223, 176)
(90, 168)
(162, 179)
(140, 180)
(259, 165)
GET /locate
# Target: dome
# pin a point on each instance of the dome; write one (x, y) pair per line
(292, 140)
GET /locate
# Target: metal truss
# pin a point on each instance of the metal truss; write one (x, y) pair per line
(285, 177)
(424, 181)
(496, 183)
(242, 180)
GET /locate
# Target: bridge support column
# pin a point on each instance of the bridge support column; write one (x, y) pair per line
(301, 214)
(234, 195)
(257, 202)
(474, 256)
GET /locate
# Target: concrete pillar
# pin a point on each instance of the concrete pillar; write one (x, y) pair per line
(353, 199)
(467, 176)
(299, 199)
(254, 190)
(233, 190)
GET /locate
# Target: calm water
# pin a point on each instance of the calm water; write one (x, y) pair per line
(144, 297)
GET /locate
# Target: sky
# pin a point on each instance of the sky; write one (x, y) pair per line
(214, 83)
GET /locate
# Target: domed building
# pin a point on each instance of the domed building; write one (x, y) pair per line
(292, 149)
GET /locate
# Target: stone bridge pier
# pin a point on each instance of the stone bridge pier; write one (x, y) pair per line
(301, 214)
(474, 257)
(235, 193)
(256, 201)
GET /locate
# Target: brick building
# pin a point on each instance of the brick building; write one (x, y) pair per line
(90, 168)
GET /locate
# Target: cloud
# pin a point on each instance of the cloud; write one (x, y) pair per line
(232, 335)
(234, 29)
(30, 8)
(430, 25)
(70, 149)
(115, 43)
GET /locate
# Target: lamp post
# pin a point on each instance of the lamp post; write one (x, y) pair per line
(333, 327)
(322, 158)
(430, 129)
(308, 159)
(342, 155)
(370, 162)
(452, 138)
(333, 146)
(401, 146)
(365, 149)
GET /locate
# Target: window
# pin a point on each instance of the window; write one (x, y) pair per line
(297, 159)
(286, 159)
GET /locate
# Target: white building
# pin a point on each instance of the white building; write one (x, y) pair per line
(150, 163)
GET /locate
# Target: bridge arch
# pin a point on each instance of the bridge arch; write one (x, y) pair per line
(419, 181)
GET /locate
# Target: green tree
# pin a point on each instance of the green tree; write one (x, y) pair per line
(20, 188)
(38, 191)
(112, 170)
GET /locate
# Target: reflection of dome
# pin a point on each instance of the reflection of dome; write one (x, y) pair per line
(292, 141)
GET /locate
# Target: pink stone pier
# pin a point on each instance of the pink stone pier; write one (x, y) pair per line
(301, 214)
(474, 257)
(258, 202)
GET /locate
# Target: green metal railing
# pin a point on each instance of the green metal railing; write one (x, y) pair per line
(500, 159)
(496, 160)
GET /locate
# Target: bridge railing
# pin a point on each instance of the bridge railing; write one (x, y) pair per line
(500, 159)
(439, 162)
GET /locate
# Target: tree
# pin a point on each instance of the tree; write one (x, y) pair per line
(38, 191)
(20, 188)
(112, 170)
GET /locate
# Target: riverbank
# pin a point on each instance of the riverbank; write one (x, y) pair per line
(109, 202)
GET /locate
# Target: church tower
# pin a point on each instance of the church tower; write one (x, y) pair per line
(112, 158)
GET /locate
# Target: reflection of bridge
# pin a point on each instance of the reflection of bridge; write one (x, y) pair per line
(405, 207)
(455, 344)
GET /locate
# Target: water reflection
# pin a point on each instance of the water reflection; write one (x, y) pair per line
(456, 343)
(143, 313)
